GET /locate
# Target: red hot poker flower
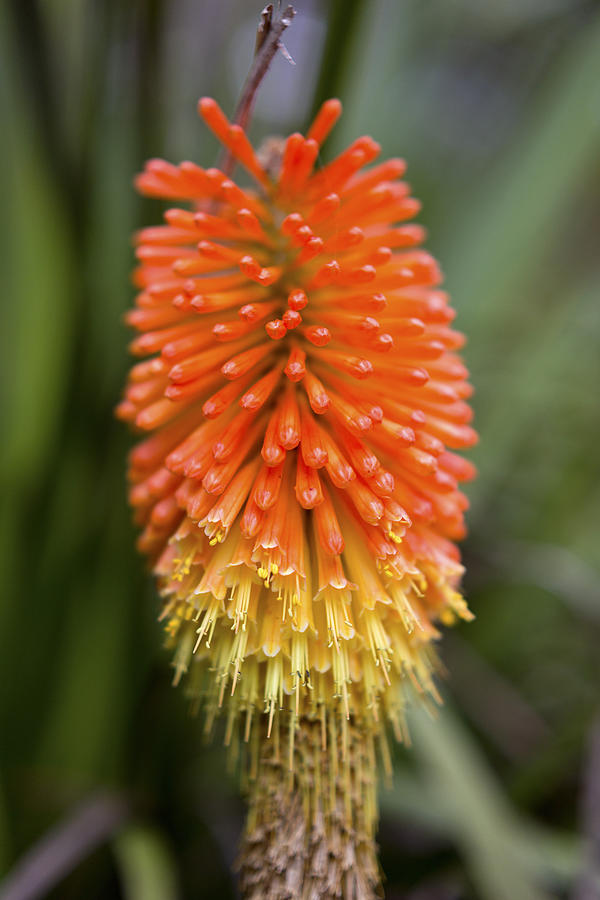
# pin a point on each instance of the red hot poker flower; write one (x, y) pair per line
(303, 398)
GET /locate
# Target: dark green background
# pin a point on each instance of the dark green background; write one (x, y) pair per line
(496, 106)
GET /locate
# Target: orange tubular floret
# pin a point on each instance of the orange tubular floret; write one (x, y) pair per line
(309, 492)
(242, 363)
(230, 503)
(317, 395)
(272, 452)
(299, 490)
(324, 121)
(291, 154)
(295, 368)
(222, 399)
(226, 443)
(260, 392)
(313, 448)
(266, 486)
(329, 533)
(288, 421)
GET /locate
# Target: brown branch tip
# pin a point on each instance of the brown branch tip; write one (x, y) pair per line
(268, 43)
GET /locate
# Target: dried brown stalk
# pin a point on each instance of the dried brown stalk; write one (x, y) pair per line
(268, 43)
(310, 833)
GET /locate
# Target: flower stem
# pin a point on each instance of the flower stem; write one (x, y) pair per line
(268, 42)
(310, 831)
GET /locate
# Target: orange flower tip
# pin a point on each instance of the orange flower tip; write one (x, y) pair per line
(297, 300)
(315, 457)
(246, 217)
(359, 422)
(134, 317)
(124, 410)
(396, 168)
(304, 234)
(138, 347)
(174, 391)
(253, 270)
(327, 273)
(221, 331)
(401, 517)
(320, 403)
(249, 266)
(264, 499)
(250, 312)
(308, 497)
(417, 234)
(160, 166)
(250, 401)
(417, 417)
(295, 371)
(334, 543)
(462, 469)
(211, 409)
(383, 343)
(378, 302)
(174, 216)
(317, 335)
(384, 482)
(199, 302)
(382, 256)
(229, 369)
(362, 275)
(353, 237)
(469, 439)
(401, 433)
(208, 108)
(224, 331)
(151, 416)
(369, 324)
(207, 248)
(324, 121)
(411, 328)
(220, 450)
(288, 437)
(292, 223)
(291, 319)
(312, 248)
(416, 376)
(332, 107)
(296, 367)
(177, 373)
(273, 455)
(360, 368)
(276, 329)
(212, 482)
(251, 521)
(370, 147)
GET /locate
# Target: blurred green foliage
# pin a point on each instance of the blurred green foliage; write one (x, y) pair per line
(495, 106)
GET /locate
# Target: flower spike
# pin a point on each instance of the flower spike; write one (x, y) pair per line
(297, 485)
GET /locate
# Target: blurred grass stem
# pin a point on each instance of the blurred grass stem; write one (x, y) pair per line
(69, 843)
